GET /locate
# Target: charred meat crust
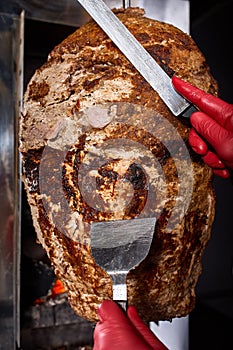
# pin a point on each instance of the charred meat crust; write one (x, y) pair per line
(87, 69)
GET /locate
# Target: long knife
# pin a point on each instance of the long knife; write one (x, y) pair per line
(138, 56)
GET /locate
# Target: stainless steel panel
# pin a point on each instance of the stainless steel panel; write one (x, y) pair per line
(10, 97)
(70, 12)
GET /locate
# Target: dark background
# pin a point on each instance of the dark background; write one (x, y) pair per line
(211, 323)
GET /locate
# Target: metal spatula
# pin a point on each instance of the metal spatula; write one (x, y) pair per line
(118, 247)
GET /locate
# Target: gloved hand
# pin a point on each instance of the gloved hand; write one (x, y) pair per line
(212, 125)
(117, 330)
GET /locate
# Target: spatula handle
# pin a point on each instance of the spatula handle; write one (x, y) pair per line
(122, 304)
(119, 289)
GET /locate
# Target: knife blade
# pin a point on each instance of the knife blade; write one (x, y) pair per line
(138, 56)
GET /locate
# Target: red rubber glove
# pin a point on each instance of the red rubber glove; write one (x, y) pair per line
(213, 126)
(117, 330)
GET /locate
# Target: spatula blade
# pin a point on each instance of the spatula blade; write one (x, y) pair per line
(129, 240)
(119, 246)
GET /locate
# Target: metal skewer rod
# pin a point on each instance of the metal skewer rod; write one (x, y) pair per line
(126, 3)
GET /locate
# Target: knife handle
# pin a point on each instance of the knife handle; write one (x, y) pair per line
(189, 111)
